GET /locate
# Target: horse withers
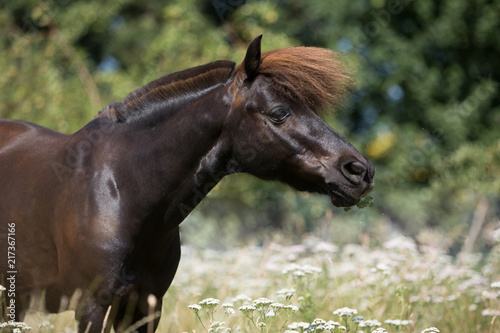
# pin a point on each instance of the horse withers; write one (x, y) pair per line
(99, 210)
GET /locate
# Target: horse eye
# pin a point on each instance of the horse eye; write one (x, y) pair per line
(279, 115)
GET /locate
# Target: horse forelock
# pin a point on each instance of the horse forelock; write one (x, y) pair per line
(168, 87)
(313, 76)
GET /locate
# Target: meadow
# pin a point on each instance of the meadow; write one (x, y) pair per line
(317, 286)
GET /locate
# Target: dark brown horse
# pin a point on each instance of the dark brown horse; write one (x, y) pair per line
(99, 210)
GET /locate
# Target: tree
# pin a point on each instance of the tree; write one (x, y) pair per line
(426, 109)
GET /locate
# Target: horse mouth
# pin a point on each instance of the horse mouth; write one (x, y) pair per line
(339, 198)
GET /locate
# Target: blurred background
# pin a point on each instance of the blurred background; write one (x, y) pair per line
(426, 109)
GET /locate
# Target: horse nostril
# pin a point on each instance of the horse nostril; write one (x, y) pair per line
(354, 171)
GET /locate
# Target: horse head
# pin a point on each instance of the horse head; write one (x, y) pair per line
(278, 134)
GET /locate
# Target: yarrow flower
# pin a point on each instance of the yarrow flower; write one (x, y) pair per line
(46, 324)
(15, 325)
(209, 304)
(299, 325)
(209, 301)
(228, 308)
(342, 312)
(370, 323)
(330, 325)
(290, 308)
(490, 313)
(357, 319)
(247, 309)
(398, 322)
(495, 285)
(299, 270)
(262, 302)
(241, 298)
(379, 330)
(217, 327)
(496, 235)
(318, 325)
(194, 307)
(431, 330)
(286, 293)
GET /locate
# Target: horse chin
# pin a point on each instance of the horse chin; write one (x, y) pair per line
(340, 199)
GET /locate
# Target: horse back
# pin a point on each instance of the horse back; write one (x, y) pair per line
(28, 189)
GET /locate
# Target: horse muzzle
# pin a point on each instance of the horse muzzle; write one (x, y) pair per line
(354, 181)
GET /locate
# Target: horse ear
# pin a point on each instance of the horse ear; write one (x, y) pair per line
(252, 58)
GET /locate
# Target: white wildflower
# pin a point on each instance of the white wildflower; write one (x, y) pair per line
(290, 308)
(277, 306)
(46, 324)
(229, 311)
(489, 294)
(209, 301)
(247, 309)
(370, 323)
(194, 307)
(262, 302)
(398, 322)
(299, 273)
(431, 330)
(401, 243)
(330, 325)
(496, 235)
(345, 312)
(490, 313)
(286, 293)
(496, 284)
(271, 313)
(299, 270)
(318, 321)
(217, 327)
(379, 330)
(2, 288)
(299, 325)
(209, 304)
(241, 298)
(357, 319)
(15, 325)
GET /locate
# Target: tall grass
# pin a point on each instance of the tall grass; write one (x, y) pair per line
(318, 287)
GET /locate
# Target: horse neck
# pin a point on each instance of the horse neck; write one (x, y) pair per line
(175, 162)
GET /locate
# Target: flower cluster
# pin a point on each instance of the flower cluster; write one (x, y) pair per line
(15, 326)
(431, 330)
(301, 270)
(342, 312)
(398, 322)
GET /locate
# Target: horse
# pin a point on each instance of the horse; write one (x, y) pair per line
(98, 211)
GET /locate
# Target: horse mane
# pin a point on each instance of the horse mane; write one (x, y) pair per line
(313, 76)
(194, 80)
(309, 75)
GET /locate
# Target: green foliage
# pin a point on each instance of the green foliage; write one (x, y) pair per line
(426, 111)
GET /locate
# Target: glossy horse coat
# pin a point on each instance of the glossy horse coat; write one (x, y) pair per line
(98, 211)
